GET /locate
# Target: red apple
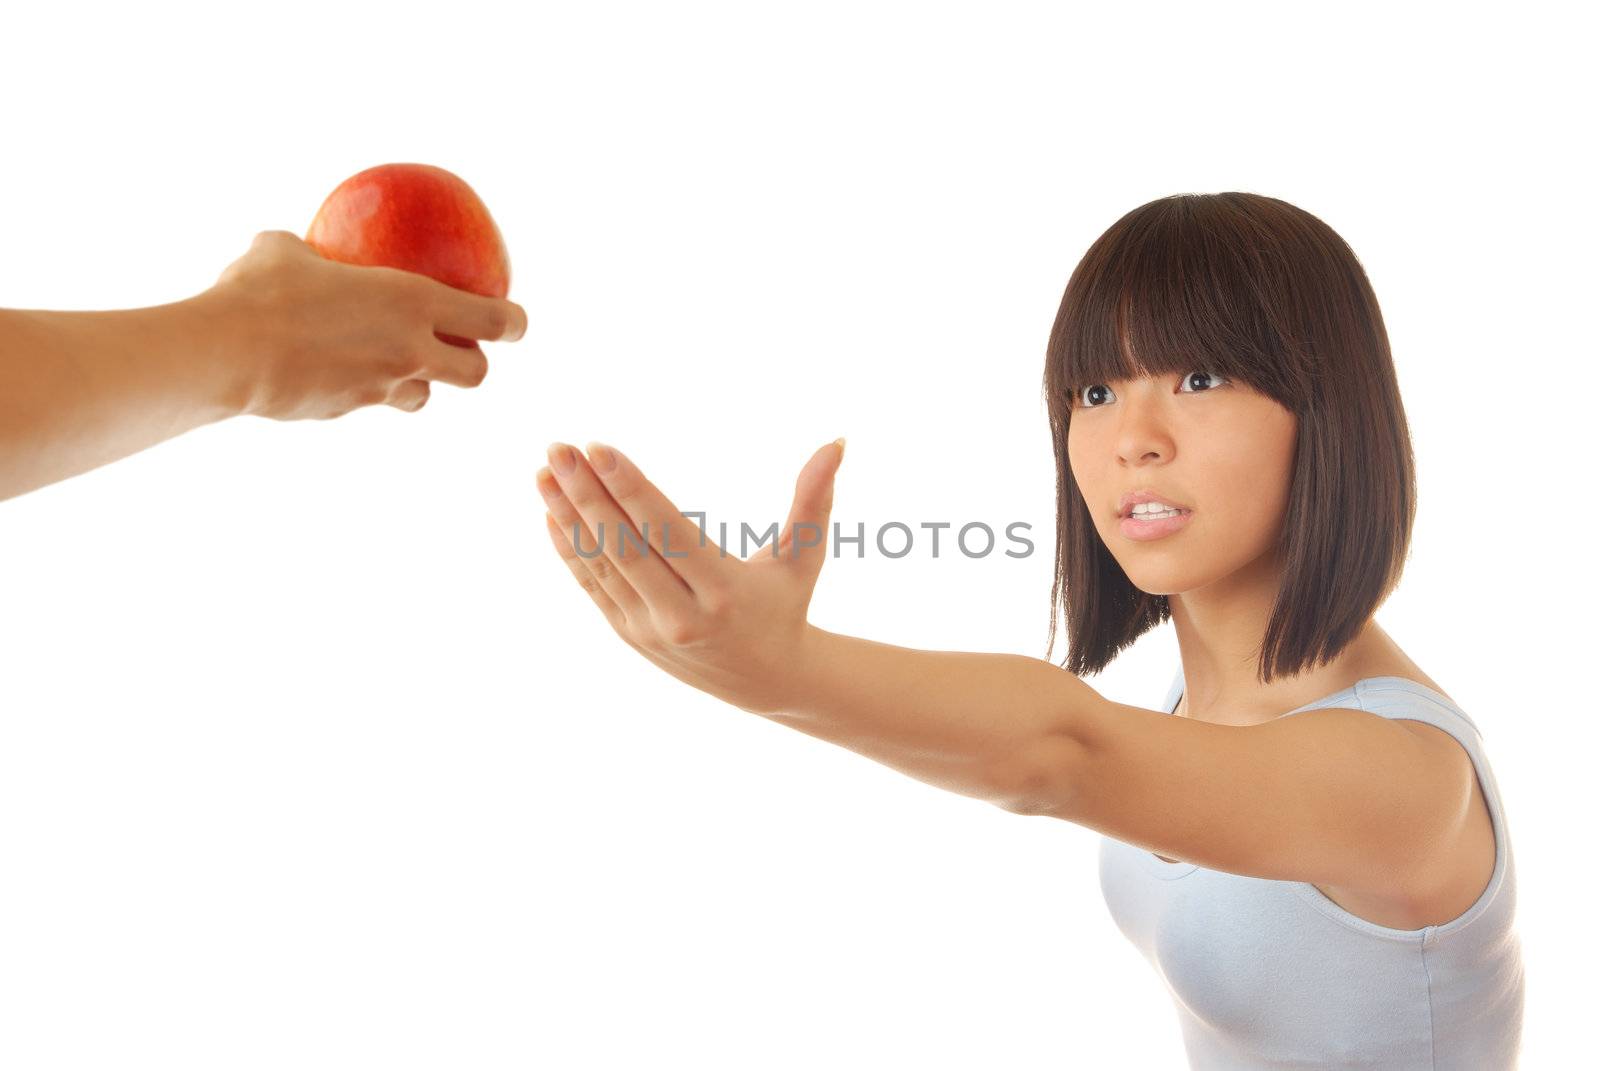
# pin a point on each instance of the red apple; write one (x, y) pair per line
(419, 218)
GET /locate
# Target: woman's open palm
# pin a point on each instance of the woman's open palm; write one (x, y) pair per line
(731, 627)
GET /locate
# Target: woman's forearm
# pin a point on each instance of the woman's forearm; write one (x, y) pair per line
(976, 724)
(80, 389)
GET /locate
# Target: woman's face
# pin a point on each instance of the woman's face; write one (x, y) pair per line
(1217, 448)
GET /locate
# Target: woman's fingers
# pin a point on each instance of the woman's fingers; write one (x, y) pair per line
(459, 366)
(562, 538)
(468, 315)
(588, 583)
(583, 553)
(700, 565)
(409, 395)
(623, 546)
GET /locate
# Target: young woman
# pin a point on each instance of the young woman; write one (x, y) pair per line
(1306, 841)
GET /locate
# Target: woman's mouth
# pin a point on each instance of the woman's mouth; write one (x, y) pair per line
(1147, 526)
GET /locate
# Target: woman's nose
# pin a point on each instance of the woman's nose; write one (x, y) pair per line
(1142, 432)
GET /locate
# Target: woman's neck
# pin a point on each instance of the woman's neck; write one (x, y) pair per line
(1220, 682)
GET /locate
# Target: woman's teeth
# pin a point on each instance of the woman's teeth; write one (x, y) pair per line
(1156, 511)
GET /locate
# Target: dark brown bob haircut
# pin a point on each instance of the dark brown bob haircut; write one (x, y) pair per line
(1269, 296)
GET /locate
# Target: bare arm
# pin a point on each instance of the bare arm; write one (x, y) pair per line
(282, 334)
(1335, 796)
(966, 722)
(79, 389)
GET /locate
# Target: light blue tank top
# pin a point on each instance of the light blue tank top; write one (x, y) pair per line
(1273, 974)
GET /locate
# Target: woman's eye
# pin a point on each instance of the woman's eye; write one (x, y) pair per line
(1087, 390)
(1192, 375)
(1084, 395)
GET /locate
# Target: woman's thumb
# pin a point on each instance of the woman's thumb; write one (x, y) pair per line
(805, 535)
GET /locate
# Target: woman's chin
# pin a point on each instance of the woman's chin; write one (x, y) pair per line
(1153, 582)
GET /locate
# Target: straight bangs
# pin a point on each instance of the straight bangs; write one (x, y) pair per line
(1171, 289)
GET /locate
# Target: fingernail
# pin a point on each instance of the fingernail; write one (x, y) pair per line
(514, 330)
(840, 441)
(601, 457)
(561, 458)
(546, 481)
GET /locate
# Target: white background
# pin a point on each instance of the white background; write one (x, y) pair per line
(313, 754)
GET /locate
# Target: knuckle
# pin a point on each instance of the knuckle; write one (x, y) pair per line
(716, 603)
(638, 635)
(624, 494)
(402, 364)
(275, 244)
(400, 295)
(678, 630)
(415, 292)
(602, 568)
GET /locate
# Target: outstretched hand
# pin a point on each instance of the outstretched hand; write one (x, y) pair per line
(731, 627)
(321, 338)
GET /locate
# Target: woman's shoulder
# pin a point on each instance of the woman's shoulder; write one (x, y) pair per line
(1394, 665)
(1394, 686)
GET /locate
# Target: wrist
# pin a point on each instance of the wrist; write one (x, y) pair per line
(228, 364)
(806, 669)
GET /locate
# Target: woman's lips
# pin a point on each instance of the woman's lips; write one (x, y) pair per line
(1143, 531)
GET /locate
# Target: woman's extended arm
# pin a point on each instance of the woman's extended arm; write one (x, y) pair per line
(969, 722)
(1336, 796)
(283, 333)
(981, 725)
